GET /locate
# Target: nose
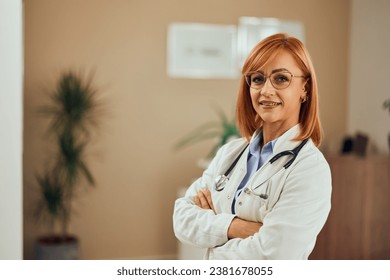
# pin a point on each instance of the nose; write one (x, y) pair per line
(268, 89)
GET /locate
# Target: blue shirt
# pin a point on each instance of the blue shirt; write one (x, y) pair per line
(257, 156)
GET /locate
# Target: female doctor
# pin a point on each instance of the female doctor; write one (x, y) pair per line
(266, 195)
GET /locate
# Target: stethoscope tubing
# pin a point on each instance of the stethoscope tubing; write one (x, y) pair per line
(221, 180)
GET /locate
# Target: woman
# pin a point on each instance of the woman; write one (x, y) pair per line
(264, 210)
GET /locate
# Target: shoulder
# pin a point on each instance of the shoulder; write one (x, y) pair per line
(311, 163)
(232, 147)
(310, 175)
(227, 153)
(315, 154)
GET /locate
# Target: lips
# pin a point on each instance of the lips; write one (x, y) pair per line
(269, 103)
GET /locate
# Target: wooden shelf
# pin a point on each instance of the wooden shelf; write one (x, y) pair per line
(358, 226)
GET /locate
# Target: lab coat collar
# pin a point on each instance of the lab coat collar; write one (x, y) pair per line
(284, 141)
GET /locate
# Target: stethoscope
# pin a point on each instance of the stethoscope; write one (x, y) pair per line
(221, 180)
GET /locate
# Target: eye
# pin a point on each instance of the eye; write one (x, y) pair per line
(257, 79)
(281, 78)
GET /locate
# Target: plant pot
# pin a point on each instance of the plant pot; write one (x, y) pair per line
(57, 248)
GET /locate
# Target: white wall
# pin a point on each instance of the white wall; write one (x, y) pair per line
(369, 71)
(11, 111)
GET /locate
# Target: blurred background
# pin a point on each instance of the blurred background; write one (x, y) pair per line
(138, 173)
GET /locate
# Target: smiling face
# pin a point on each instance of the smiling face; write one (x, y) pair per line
(272, 106)
(277, 105)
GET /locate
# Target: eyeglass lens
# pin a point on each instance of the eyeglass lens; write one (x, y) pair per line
(279, 80)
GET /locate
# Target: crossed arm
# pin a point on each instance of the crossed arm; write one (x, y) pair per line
(238, 228)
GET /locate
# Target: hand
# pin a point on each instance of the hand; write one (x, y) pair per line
(203, 200)
(240, 228)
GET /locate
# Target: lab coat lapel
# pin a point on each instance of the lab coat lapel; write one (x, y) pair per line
(284, 142)
(268, 170)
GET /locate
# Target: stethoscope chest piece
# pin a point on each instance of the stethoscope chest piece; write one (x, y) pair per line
(220, 182)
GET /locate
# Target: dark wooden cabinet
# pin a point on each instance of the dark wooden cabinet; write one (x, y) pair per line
(358, 226)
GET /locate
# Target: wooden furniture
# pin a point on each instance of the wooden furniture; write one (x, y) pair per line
(358, 226)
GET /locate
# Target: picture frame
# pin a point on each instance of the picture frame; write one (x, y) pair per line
(203, 51)
(252, 30)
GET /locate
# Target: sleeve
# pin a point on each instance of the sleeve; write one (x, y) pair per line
(196, 226)
(290, 229)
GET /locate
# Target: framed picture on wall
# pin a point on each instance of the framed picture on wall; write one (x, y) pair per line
(252, 30)
(198, 50)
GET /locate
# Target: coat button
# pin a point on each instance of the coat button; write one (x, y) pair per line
(240, 203)
(228, 196)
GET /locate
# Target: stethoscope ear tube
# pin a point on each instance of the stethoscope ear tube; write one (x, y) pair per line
(221, 180)
(235, 162)
(294, 152)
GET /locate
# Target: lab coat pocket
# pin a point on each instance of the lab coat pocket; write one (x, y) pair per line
(274, 190)
(269, 193)
(250, 205)
(263, 195)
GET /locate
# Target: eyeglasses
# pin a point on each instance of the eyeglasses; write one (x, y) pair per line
(279, 79)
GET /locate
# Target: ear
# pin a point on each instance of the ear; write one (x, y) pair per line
(305, 85)
(304, 98)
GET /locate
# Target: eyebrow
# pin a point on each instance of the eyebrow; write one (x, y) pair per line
(274, 71)
(280, 70)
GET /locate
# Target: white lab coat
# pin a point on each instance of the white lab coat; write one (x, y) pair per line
(296, 209)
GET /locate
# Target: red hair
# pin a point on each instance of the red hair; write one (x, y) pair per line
(248, 120)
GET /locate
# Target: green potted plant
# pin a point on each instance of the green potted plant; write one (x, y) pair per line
(72, 114)
(223, 130)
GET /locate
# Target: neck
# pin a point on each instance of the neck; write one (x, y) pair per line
(273, 131)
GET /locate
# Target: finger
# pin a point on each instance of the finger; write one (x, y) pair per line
(197, 201)
(203, 201)
(207, 194)
(209, 198)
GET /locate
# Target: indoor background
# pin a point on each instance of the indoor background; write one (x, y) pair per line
(128, 215)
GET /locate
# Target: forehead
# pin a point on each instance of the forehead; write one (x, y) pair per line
(281, 60)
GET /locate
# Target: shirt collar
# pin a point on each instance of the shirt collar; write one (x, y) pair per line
(254, 144)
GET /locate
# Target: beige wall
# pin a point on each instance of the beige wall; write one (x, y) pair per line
(128, 215)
